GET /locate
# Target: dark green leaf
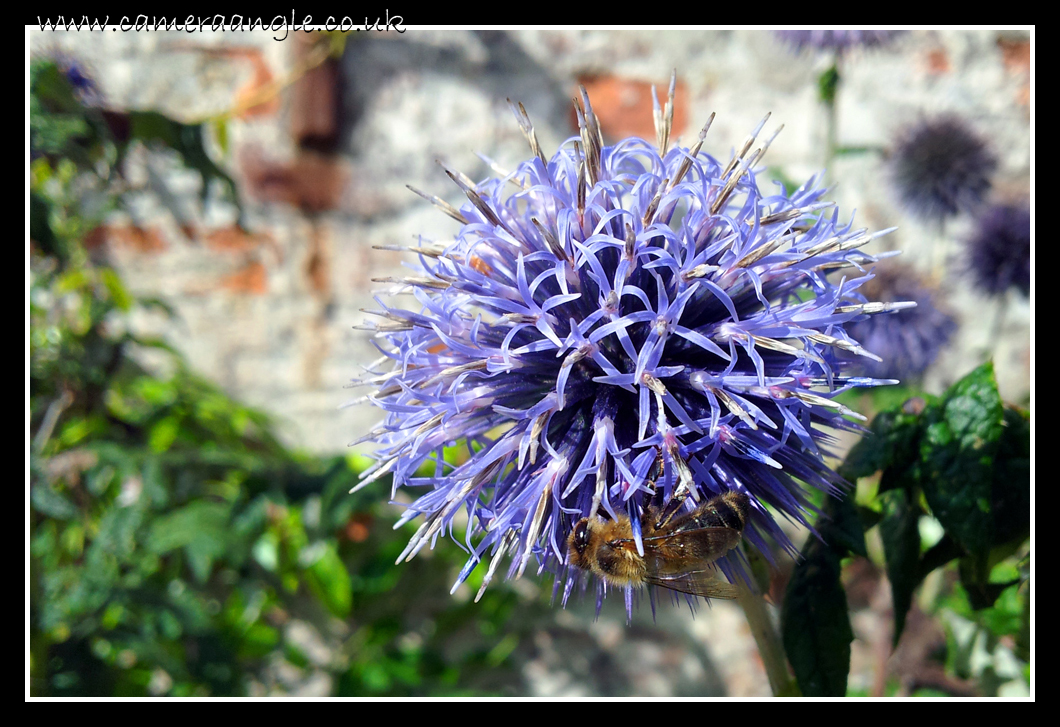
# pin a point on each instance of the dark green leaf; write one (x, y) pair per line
(957, 453)
(939, 555)
(1023, 636)
(187, 140)
(869, 517)
(815, 624)
(975, 577)
(844, 530)
(827, 84)
(1011, 487)
(890, 444)
(900, 533)
(195, 523)
(871, 453)
(40, 230)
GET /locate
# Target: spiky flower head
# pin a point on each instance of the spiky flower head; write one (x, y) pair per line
(941, 167)
(837, 40)
(604, 310)
(907, 342)
(999, 252)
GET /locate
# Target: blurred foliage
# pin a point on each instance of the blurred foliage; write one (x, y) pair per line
(176, 547)
(960, 461)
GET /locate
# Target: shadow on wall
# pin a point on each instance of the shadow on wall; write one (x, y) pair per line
(496, 63)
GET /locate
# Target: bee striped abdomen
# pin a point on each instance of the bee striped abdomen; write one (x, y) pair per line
(724, 511)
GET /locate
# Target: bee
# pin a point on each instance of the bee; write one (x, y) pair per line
(678, 551)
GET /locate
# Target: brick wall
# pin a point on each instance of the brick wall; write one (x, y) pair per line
(323, 166)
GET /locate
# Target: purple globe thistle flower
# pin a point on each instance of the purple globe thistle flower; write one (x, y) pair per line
(838, 40)
(80, 78)
(999, 252)
(909, 341)
(77, 77)
(941, 167)
(604, 310)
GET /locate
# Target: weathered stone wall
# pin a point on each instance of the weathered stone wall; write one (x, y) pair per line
(323, 166)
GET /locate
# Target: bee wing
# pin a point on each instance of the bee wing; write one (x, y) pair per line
(705, 583)
(681, 561)
(688, 550)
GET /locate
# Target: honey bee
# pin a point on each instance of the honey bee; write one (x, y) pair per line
(678, 551)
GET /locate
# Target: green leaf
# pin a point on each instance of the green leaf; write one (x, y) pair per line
(163, 433)
(939, 555)
(122, 300)
(900, 533)
(327, 577)
(187, 140)
(1023, 636)
(891, 444)
(975, 577)
(957, 454)
(1011, 486)
(200, 527)
(53, 504)
(815, 624)
(220, 130)
(828, 84)
(869, 517)
(844, 530)
(40, 229)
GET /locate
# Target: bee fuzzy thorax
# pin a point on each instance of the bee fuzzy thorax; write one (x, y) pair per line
(606, 548)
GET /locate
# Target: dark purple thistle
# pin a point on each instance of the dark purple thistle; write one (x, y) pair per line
(838, 40)
(80, 79)
(999, 251)
(908, 341)
(941, 167)
(603, 309)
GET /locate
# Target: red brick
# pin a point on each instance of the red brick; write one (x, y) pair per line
(133, 237)
(624, 106)
(1016, 54)
(314, 182)
(251, 279)
(235, 239)
(318, 267)
(259, 96)
(315, 101)
(938, 62)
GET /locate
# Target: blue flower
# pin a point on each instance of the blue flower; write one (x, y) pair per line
(839, 40)
(907, 342)
(80, 78)
(999, 252)
(941, 167)
(604, 309)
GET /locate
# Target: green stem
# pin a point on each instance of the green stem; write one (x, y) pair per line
(940, 252)
(827, 89)
(770, 647)
(998, 327)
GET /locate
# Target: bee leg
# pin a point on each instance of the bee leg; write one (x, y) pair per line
(646, 499)
(684, 486)
(671, 508)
